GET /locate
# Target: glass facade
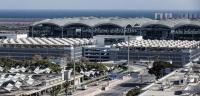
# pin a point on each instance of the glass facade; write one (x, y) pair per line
(187, 32)
(80, 31)
(159, 32)
(151, 31)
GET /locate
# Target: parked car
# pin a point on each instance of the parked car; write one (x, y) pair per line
(84, 87)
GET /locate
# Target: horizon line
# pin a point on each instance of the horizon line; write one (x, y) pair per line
(95, 10)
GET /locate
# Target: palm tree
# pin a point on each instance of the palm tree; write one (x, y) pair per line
(66, 86)
(55, 91)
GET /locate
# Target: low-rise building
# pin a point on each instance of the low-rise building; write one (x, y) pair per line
(100, 51)
(177, 51)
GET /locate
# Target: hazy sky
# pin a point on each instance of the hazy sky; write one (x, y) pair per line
(102, 4)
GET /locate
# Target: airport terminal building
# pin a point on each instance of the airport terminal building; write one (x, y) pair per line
(87, 27)
(179, 52)
(173, 40)
(26, 48)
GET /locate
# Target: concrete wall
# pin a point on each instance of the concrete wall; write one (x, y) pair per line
(27, 53)
(100, 39)
(177, 57)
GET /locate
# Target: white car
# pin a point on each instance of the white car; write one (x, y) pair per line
(84, 87)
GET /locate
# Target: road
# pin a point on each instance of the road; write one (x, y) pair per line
(94, 90)
(119, 89)
(122, 88)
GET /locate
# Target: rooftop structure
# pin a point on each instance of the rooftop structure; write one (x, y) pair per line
(94, 21)
(118, 21)
(31, 82)
(159, 44)
(46, 41)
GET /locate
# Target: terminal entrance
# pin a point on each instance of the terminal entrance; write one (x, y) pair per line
(187, 32)
(45, 30)
(156, 31)
(77, 30)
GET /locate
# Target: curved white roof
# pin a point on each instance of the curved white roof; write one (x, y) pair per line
(171, 23)
(94, 21)
(121, 22)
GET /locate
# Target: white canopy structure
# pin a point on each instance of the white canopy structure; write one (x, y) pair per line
(18, 84)
(1, 69)
(88, 73)
(22, 77)
(159, 44)
(3, 76)
(1, 82)
(48, 41)
(22, 69)
(39, 71)
(36, 71)
(30, 81)
(13, 70)
(47, 70)
(9, 87)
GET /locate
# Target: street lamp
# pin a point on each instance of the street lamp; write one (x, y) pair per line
(62, 31)
(32, 31)
(128, 49)
(74, 67)
(100, 54)
(128, 54)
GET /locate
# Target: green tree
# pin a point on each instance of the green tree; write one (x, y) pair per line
(87, 66)
(55, 67)
(158, 68)
(54, 91)
(134, 92)
(66, 86)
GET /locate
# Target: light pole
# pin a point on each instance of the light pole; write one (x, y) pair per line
(74, 68)
(100, 56)
(62, 31)
(128, 54)
(101, 53)
(128, 49)
(124, 31)
(32, 31)
(92, 29)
